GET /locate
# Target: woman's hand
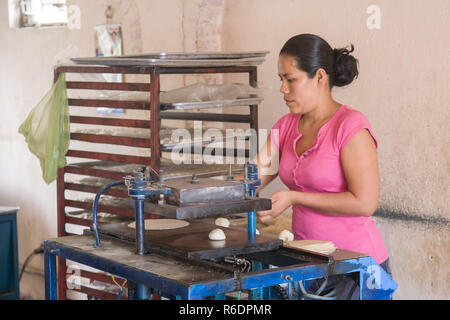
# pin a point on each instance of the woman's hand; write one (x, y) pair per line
(281, 200)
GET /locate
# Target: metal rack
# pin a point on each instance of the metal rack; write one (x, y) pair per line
(97, 167)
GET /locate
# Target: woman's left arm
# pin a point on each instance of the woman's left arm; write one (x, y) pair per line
(360, 165)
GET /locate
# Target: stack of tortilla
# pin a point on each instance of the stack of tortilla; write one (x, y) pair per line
(324, 247)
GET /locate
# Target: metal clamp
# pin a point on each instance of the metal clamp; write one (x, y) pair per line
(140, 187)
(251, 181)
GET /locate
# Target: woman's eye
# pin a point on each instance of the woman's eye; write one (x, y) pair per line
(287, 79)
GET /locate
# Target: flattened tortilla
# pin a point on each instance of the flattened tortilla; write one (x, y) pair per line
(161, 224)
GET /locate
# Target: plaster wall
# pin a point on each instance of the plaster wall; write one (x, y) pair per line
(402, 89)
(26, 74)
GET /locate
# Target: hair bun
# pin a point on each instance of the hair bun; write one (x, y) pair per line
(346, 66)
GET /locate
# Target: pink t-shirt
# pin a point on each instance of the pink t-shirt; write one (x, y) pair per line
(319, 170)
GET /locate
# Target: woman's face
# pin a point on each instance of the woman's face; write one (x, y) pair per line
(299, 91)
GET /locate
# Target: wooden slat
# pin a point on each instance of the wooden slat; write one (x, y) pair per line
(120, 211)
(126, 212)
(123, 86)
(86, 222)
(96, 69)
(108, 157)
(121, 193)
(132, 123)
(70, 234)
(114, 175)
(102, 277)
(81, 221)
(98, 293)
(118, 104)
(117, 140)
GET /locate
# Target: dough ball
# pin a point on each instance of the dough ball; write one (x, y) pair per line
(286, 236)
(217, 235)
(222, 222)
(218, 244)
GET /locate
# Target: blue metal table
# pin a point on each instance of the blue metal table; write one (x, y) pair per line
(193, 280)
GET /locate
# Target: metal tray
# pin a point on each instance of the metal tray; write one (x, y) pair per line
(194, 211)
(205, 190)
(171, 171)
(193, 241)
(199, 55)
(201, 211)
(209, 104)
(137, 62)
(203, 141)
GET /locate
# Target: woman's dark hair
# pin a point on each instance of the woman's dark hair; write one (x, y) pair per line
(312, 52)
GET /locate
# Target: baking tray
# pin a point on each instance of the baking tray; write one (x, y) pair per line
(193, 241)
(196, 142)
(137, 62)
(167, 105)
(209, 104)
(199, 55)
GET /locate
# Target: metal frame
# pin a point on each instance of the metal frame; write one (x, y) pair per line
(153, 124)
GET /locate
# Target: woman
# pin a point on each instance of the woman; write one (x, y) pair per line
(327, 152)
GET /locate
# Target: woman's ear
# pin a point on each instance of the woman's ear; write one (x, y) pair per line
(322, 77)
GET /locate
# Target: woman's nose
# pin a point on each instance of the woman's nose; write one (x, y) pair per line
(284, 87)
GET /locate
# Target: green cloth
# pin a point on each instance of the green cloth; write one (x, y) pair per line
(47, 130)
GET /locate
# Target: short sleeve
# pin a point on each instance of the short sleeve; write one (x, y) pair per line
(352, 123)
(279, 130)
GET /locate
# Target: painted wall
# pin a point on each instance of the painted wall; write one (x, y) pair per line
(402, 89)
(27, 62)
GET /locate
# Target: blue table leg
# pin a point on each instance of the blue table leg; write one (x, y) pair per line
(257, 293)
(51, 291)
(142, 292)
(251, 226)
